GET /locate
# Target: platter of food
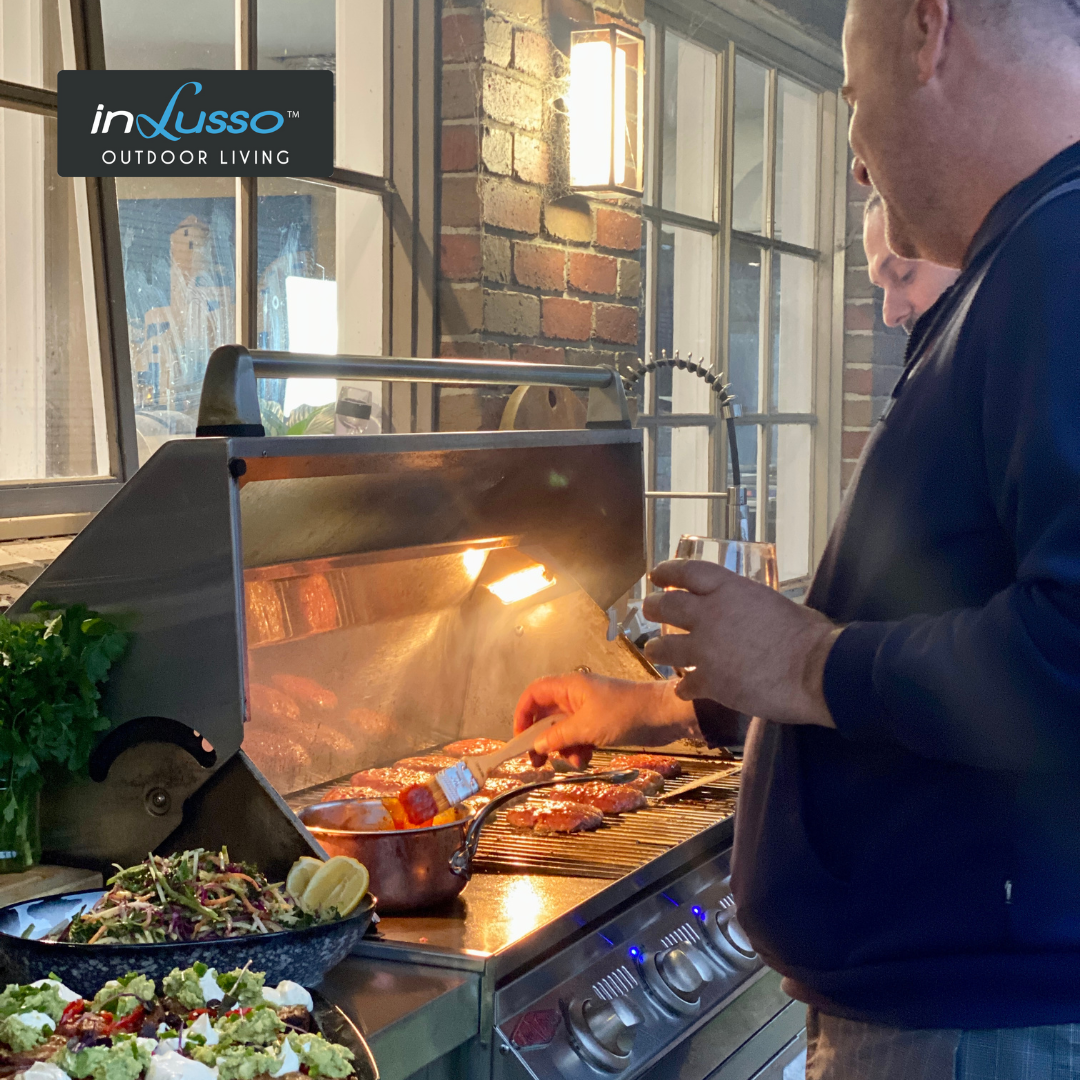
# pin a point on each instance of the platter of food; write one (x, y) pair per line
(194, 906)
(193, 1024)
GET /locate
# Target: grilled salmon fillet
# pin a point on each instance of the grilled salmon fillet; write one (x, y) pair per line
(555, 816)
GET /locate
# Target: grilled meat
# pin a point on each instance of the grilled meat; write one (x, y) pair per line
(267, 702)
(555, 816)
(317, 603)
(499, 785)
(647, 782)
(389, 781)
(265, 616)
(306, 692)
(428, 763)
(354, 791)
(521, 768)
(667, 767)
(609, 798)
(473, 747)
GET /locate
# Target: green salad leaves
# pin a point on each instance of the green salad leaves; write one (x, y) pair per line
(51, 666)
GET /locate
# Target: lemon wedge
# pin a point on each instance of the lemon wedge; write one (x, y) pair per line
(300, 874)
(340, 883)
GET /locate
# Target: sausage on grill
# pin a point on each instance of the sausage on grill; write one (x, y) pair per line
(555, 816)
(667, 767)
(608, 798)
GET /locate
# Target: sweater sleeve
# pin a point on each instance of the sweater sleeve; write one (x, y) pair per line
(998, 686)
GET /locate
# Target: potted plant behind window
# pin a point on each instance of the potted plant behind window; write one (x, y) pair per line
(52, 665)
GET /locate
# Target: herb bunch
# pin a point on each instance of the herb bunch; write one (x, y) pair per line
(52, 664)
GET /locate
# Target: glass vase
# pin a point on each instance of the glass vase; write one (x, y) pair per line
(20, 825)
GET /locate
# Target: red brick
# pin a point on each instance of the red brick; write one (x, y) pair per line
(497, 151)
(568, 222)
(593, 273)
(473, 350)
(539, 266)
(462, 37)
(459, 256)
(539, 354)
(857, 413)
(859, 317)
(858, 380)
(460, 149)
(498, 42)
(569, 320)
(847, 471)
(531, 162)
(617, 323)
(532, 54)
(460, 201)
(511, 206)
(617, 229)
(852, 443)
(630, 278)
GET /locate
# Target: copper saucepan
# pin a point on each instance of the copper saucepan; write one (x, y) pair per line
(412, 869)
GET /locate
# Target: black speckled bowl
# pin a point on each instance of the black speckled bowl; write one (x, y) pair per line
(301, 955)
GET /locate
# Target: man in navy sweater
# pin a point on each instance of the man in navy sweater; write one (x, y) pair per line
(906, 847)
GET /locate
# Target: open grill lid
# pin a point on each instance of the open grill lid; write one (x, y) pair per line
(169, 555)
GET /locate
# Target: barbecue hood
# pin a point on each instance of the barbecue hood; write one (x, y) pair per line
(361, 563)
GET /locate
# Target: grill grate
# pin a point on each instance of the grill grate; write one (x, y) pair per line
(622, 844)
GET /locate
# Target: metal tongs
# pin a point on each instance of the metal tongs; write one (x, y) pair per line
(461, 860)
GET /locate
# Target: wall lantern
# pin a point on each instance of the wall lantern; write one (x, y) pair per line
(606, 105)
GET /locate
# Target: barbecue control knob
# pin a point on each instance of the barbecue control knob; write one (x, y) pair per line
(675, 977)
(602, 1032)
(728, 938)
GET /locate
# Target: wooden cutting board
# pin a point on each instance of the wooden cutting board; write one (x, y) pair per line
(45, 881)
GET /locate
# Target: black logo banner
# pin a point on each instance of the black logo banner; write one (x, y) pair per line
(195, 123)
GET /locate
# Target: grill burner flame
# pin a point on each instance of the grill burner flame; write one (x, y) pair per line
(522, 584)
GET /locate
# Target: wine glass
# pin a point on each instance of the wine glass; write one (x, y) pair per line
(747, 558)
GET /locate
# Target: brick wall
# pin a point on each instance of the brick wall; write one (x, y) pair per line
(873, 353)
(528, 270)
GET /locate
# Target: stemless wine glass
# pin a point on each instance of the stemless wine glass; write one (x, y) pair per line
(747, 558)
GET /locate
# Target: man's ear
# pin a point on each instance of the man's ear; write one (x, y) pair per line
(928, 26)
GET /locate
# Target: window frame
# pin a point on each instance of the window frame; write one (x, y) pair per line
(408, 191)
(784, 51)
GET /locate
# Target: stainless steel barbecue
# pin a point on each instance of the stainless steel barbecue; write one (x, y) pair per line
(303, 608)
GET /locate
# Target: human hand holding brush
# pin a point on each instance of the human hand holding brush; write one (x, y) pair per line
(451, 787)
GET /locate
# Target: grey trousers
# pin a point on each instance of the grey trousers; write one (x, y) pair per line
(850, 1050)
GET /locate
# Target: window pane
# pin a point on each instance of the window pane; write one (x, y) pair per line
(744, 324)
(30, 42)
(178, 240)
(52, 402)
(748, 180)
(796, 163)
(793, 334)
(746, 438)
(684, 316)
(789, 497)
(346, 38)
(673, 518)
(689, 128)
(192, 34)
(320, 291)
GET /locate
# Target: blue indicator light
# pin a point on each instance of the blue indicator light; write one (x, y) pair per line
(698, 911)
(669, 899)
(603, 937)
(635, 953)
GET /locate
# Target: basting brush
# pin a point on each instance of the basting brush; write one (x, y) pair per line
(453, 786)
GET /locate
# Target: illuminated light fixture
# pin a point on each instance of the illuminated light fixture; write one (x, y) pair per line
(606, 106)
(521, 584)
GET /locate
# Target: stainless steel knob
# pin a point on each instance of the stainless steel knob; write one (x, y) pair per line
(675, 977)
(728, 938)
(602, 1032)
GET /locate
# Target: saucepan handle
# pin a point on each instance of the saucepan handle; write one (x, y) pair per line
(461, 860)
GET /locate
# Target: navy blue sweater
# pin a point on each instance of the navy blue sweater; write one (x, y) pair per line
(920, 865)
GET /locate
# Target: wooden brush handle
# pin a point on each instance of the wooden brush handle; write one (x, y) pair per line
(481, 767)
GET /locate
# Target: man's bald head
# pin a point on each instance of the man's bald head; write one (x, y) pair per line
(954, 102)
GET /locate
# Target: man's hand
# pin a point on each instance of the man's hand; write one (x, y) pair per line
(751, 649)
(602, 712)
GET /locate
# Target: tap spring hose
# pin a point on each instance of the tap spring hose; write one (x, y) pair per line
(715, 382)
